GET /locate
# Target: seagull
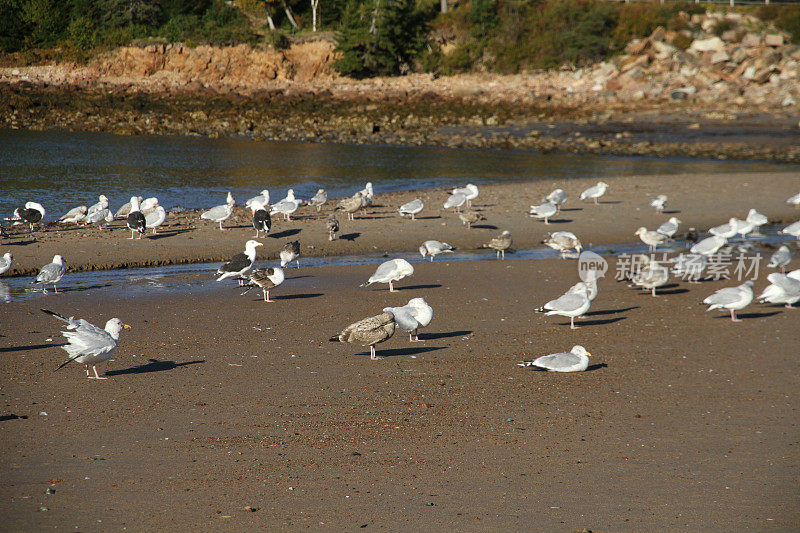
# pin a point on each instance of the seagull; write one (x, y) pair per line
(651, 238)
(51, 273)
(595, 191)
(290, 252)
(367, 194)
(148, 205)
(470, 217)
(434, 248)
(709, 246)
(239, 263)
(744, 227)
(781, 258)
(563, 241)
(732, 298)
(573, 303)
(756, 219)
(98, 217)
(455, 200)
(261, 219)
(414, 207)
(411, 317)
(102, 203)
(689, 266)
(725, 230)
(74, 215)
(558, 197)
(135, 220)
(651, 275)
(369, 332)
(319, 199)
(500, 244)
(266, 278)
(576, 360)
(792, 229)
(32, 214)
(220, 213)
(669, 228)
(126, 209)
(155, 218)
(545, 211)
(287, 206)
(332, 226)
(389, 272)
(350, 205)
(262, 199)
(5, 262)
(659, 202)
(794, 200)
(89, 344)
(469, 191)
(590, 283)
(784, 289)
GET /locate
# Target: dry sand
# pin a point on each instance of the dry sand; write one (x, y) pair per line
(217, 402)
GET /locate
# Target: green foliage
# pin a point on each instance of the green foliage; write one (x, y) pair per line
(786, 18)
(483, 17)
(378, 37)
(722, 26)
(279, 40)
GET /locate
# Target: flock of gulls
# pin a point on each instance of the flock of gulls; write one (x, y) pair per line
(88, 344)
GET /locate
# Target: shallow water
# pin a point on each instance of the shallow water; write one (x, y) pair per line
(198, 278)
(63, 169)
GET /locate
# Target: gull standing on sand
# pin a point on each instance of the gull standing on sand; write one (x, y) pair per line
(411, 317)
(98, 217)
(414, 207)
(756, 219)
(262, 221)
(332, 227)
(389, 272)
(74, 215)
(434, 248)
(155, 218)
(794, 200)
(651, 275)
(576, 360)
(744, 227)
(563, 241)
(319, 199)
(792, 229)
(369, 332)
(220, 213)
(31, 214)
(290, 252)
(455, 200)
(470, 192)
(783, 289)
(545, 211)
(148, 206)
(367, 194)
(5, 262)
(265, 278)
(126, 209)
(89, 344)
(350, 205)
(651, 238)
(287, 206)
(500, 244)
(239, 263)
(595, 192)
(731, 298)
(262, 199)
(709, 246)
(689, 266)
(669, 228)
(659, 202)
(573, 303)
(135, 219)
(469, 217)
(51, 273)
(725, 230)
(558, 197)
(102, 203)
(781, 258)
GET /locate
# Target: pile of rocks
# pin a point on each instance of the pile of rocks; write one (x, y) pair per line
(730, 55)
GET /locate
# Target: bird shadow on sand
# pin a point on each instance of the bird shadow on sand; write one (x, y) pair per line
(746, 316)
(20, 243)
(411, 350)
(599, 322)
(296, 296)
(170, 233)
(560, 221)
(603, 202)
(612, 311)
(673, 291)
(12, 416)
(563, 209)
(153, 366)
(350, 236)
(426, 218)
(409, 287)
(443, 335)
(483, 226)
(299, 277)
(671, 212)
(285, 233)
(32, 347)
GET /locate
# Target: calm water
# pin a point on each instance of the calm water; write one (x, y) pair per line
(63, 169)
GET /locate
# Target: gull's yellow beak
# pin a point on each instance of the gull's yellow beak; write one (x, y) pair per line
(126, 326)
(588, 354)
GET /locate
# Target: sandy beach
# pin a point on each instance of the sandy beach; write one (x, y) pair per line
(222, 412)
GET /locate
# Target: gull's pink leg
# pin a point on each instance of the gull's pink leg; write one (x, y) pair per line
(431, 258)
(55, 289)
(96, 375)
(391, 288)
(572, 323)
(733, 316)
(266, 299)
(545, 220)
(595, 201)
(504, 253)
(87, 371)
(133, 233)
(372, 353)
(654, 291)
(44, 289)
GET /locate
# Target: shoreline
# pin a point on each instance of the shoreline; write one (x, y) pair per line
(697, 202)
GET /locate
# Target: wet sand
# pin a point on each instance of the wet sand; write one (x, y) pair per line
(698, 201)
(227, 413)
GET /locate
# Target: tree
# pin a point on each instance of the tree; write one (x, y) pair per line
(379, 37)
(314, 6)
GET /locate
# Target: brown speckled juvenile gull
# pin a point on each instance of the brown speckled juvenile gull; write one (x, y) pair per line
(265, 278)
(500, 244)
(470, 217)
(369, 332)
(350, 205)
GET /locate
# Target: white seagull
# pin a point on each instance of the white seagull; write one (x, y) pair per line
(573, 303)
(414, 207)
(781, 258)
(220, 213)
(126, 209)
(389, 272)
(651, 238)
(51, 273)
(545, 211)
(469, 191)
(287, 206)
(669, 228)
(98, 217)
(89, 344)
(659, 202)
(690, 266)
(5, 262)
(651, 275)
(731, 298)
(794, 200)
(319, 199)
(74, 215)
(563, 241)
(239, 263)
(756, 219)
(558, 197)
(576, 360)
(411, 317)
(792, 229)
(726, 230)
(783, 289)
(102, 203)
(595, 191)
(262, 199)
(455, 200)
(709, 246)
(434, 248)
(155, 218)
